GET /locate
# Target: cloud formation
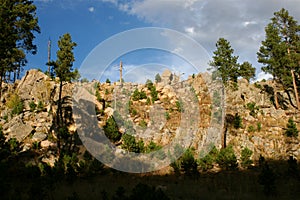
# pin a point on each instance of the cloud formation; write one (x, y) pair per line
(242, 22)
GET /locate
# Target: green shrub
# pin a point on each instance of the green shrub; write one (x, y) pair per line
(152, 146)
(16, 104)
(258, 125)
(237, 121)
(188, 162)
(179, 106)
(129, 143)
(107, 81)
(291, 130)
(207, 162)
(111, 130)
(167, 115)
(5, 117)
(251, 129)
(143, 123)
(252, 108)
(138, 95)
(32, 106)
(245, 157)
(40, 106)
(98, 96)
(227, 159)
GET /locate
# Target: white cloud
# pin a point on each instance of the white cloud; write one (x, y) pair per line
(263, 75)
(91, 9)
(242, 22)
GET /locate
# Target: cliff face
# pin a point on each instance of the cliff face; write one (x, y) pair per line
(261, 130)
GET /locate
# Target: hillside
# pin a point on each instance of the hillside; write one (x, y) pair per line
(153, 113)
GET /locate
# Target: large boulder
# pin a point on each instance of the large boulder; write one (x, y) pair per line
(16, 128)
(35, 85)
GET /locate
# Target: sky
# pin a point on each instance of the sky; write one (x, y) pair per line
(93, 23)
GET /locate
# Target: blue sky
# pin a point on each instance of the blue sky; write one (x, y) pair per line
(91, 22)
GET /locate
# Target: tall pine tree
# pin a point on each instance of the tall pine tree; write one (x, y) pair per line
(224, 62)
(279, 52)
(62, 68)
(18, 23)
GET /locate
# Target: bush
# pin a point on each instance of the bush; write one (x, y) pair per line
(111, 130)
(143, 123)
(227, 159)
(152, 147)
(258, 126)
(129, 143)
(245, 157)
(138, 95)
(251, 129)
(107, 81)
(40, 106)
(252, 108)
(15, 103)
(207, 162)
(179, 106)
(188, 162)
(98, 96)
(237, 121)
(167, 115)
(32, 106)
(292, 130)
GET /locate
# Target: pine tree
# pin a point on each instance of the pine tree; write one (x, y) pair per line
(224, 62)
(292, 130)
(18, 23)
(279, 52)
(62, 68)
(246, 70)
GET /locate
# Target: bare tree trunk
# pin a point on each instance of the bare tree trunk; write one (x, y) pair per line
(295, 89)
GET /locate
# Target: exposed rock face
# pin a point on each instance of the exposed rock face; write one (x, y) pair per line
(35, 86)
(17, 129)
(162, 116)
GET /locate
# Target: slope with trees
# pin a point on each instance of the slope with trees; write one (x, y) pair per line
(18, 23)
(279, 52)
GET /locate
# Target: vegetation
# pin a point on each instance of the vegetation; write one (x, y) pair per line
(15, 103)
(111, 130)
(19, 23)
(208, 161)
(137, 95)
(227, 159)
(129, 143)
(279, 51)
(32, 106)
(252, 108)
(157, 78)
(237, 121)
(225, 64)
(246, 157)
(291, 130)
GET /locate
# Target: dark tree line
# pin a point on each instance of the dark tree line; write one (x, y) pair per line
(18, 23)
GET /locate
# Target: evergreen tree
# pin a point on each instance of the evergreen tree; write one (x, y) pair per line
(18, 23)
(224, 62)
(292, 130)
(246, 70)
(279, 52)
(62, 68)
